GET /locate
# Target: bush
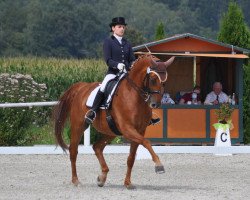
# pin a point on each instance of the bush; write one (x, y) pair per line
(16, 121)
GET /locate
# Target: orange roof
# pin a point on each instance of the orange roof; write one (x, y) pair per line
(198, 54)
(193, 45)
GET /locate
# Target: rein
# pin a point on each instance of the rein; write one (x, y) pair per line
(144, 92)
(141, 92)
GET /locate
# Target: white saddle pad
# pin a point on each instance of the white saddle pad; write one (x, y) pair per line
(92, 95)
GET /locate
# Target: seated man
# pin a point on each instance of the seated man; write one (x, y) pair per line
(192, 97)
(166, 99)
(216, 96)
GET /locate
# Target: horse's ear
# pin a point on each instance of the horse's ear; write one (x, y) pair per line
(169, 61)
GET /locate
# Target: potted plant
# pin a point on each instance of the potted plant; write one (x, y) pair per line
(224, 115)
(223, 127)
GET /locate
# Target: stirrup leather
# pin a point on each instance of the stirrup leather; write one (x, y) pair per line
(90, 116)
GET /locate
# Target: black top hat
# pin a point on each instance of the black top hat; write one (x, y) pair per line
(117, 21)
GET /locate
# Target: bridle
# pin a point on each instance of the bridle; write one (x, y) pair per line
(145, 92)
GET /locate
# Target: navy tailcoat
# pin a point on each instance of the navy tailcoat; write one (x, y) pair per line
(115, 53)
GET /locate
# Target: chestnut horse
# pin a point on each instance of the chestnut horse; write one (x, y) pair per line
(131, 110)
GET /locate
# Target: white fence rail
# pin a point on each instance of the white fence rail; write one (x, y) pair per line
(31, 104)
(51, 103)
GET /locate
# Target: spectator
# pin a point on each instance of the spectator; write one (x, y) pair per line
(192, 97)
(216, 96)
(166, 99)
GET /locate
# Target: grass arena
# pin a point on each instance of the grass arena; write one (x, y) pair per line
(187, 176)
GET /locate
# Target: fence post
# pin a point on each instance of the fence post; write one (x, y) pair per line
(87, 137)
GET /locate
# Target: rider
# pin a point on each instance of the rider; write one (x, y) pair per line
(119, 56)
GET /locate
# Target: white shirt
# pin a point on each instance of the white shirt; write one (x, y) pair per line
(118, 38)
(211, 97)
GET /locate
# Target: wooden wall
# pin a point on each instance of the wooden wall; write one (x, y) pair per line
(180, 76)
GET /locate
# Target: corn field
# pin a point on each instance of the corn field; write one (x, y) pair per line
(57, 74)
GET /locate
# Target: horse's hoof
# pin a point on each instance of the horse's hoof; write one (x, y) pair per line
(130, 187)
(75, 182)
(159, 169)
(99, 182)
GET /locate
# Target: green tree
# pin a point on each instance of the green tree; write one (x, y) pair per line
(246, 104)
(233, 29)
(185, 20)
(13, 22)
(75, 28)
(134, 36)
(160, 33)
(61, 29)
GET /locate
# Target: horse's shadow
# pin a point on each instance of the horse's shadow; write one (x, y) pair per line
(153, 187)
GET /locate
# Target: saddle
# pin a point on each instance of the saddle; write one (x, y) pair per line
(109, 92)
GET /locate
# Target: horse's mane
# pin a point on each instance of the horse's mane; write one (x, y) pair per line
(144, 57)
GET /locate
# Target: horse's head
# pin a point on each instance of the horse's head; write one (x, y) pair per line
(154, 81)
(148, 77)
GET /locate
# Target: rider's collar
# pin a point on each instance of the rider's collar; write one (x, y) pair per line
(118, 38)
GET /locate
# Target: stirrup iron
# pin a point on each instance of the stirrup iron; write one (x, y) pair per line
(88, 116)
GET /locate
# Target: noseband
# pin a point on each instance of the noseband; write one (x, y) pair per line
(145, 92)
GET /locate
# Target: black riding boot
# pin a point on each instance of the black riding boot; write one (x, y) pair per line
(91, 114)
(154, 121)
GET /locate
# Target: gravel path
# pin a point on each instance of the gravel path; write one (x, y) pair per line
(188, 176)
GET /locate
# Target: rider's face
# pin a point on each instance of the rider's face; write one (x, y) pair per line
(119, 30)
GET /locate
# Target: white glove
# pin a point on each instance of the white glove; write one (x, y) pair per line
(121, 67)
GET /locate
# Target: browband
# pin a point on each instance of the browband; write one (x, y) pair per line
(149, 70)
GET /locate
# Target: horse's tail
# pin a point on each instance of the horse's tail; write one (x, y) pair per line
(61, 112)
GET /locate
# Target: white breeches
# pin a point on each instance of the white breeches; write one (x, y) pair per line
(107, 78)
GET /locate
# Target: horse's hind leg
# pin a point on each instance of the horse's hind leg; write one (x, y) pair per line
(130, 164)
(76, 133)
(98, 148)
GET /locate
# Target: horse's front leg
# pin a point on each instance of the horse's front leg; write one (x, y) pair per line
(98, 148)
(159, 168)
(130, 164)
(134, 136)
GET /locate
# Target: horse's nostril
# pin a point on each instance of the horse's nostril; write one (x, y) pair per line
(153, 105)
